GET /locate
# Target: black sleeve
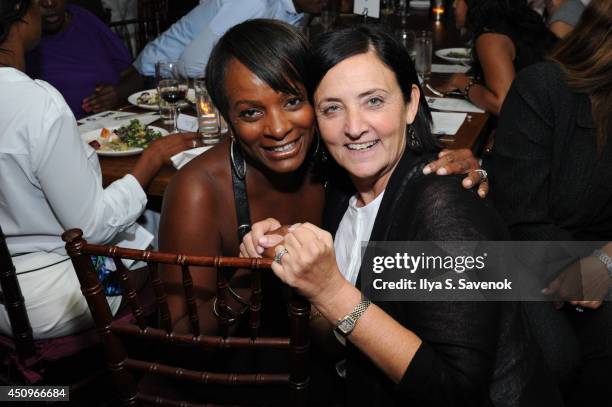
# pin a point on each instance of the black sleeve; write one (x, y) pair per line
(454, 364)
(520, 166)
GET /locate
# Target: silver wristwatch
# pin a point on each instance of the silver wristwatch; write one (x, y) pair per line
(345, 325)
(605, 259)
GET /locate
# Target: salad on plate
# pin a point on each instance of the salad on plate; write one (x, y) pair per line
(135, 135)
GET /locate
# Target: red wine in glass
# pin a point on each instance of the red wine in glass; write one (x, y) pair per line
(171, 91)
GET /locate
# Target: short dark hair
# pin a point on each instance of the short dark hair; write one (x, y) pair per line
(10, 14)
(274, 51)
(331, 48)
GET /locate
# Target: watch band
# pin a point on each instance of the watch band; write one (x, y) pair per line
(359, 309)
(347, 324)
(605, 259)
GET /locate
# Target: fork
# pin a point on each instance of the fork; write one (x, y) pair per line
(434, 91)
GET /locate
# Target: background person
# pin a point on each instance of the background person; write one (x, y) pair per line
(553, 146)
(51, 181)
(508, 36)
(82, 58)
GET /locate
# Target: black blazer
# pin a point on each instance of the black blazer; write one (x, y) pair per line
(473, 354)
(547, 181)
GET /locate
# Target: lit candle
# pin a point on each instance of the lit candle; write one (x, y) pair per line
(437, 9)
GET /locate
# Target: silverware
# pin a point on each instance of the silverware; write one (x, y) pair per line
(434, 91)
(135, 116)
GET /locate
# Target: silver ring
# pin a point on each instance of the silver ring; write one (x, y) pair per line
(578, 308)
(483, 174)
(279, 256)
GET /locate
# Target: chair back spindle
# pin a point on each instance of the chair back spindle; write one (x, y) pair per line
(15, 304)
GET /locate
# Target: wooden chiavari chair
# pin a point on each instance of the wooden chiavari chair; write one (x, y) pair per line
(113, 334)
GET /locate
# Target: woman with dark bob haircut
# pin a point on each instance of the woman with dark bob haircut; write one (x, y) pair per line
(256, 76)
(375, 125)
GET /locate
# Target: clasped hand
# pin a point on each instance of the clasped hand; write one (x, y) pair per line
(310, 262)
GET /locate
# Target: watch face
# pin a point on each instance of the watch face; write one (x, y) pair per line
(346, 325)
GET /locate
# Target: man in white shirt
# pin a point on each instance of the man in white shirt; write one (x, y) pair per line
(192, 38)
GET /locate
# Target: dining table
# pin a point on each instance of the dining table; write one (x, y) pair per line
(471, 134)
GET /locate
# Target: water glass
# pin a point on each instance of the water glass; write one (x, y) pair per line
(165, 111)
(423, 53)
(209, 119)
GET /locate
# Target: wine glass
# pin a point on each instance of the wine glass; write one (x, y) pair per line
(172, 85)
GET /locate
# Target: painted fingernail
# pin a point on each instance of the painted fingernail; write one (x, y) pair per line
(442, 171)
(427, 170)
(468, 183)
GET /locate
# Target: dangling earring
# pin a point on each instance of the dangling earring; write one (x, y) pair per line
(239, 168)
(413, 141)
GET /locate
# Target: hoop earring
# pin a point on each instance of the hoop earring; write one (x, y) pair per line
(413, 141)
(239, 169)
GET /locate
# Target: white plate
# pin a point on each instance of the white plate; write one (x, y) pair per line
(420, 4)
(443, 53)
(95, 134)
(133, 99)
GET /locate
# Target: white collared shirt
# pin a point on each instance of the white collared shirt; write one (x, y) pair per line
(50, 180)
(192, 38)
(355, 228)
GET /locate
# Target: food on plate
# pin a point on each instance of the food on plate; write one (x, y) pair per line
(134, 135)
(148, 98)
(458, 55)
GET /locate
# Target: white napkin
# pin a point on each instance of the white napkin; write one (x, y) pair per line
(182, 158)
(112, 118)
(446, 68)
(186, 122)
(136, 237)
(447, 123)
(420, 3)
(453, 105)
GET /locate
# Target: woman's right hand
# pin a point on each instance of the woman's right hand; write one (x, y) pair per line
(164, 148)
(262, 238)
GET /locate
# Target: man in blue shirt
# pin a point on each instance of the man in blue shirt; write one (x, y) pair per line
(192, 38)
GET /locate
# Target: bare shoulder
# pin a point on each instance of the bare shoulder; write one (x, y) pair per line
(204, 176)
(195, 201)
(494, 43)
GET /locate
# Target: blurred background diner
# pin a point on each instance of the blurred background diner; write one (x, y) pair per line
(199, 127)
